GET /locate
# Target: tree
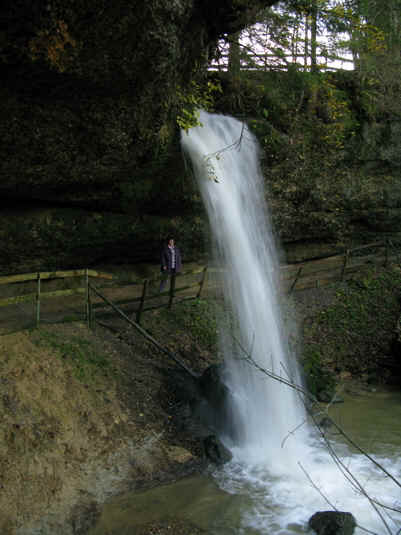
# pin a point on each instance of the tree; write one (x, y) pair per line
(305, 33)
(314, 30)
(374, 27)
(234, 58)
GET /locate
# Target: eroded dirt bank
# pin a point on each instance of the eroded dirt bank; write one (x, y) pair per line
(85, 415)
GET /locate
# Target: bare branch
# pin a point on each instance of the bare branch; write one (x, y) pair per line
(344, 469)
(317, 488)
(292, 432)
(208, 157)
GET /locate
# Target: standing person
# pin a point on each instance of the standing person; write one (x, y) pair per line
(170, 261)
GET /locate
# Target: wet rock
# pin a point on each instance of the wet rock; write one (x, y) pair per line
(327, 396)
(332, 523)
(184, 386)
(326, 422)
(324, 396)
(212, 387)
(215, 450)
(179, 455)
(201, 402)
(214, 410)
(201, 409)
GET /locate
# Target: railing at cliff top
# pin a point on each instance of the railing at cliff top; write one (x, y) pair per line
(140, 293)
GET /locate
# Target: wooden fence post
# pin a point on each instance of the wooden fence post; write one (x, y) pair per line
(295, 280)
(90, 309)
(38, 301)
(202, 282)
(344, 264)
(172, 288)
(87, 299)
(142, 301)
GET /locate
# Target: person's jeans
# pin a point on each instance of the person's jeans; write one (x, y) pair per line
(165, 276)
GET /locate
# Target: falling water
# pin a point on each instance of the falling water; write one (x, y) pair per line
(277, 459)
(265, 412)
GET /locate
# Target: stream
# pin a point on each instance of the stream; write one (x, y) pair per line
(227, 501)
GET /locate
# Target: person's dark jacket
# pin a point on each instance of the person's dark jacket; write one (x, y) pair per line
(167, 258)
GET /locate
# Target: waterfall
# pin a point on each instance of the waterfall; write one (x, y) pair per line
(283, 466)
(264, 411)
(278, 461)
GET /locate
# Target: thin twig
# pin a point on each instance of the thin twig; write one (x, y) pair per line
(344, 470)
(292, 432)
(326, 499)
(236, 144)
(316, 487)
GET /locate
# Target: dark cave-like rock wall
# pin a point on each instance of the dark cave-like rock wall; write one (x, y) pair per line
(88, 103)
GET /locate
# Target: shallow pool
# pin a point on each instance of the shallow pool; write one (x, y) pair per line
(250, 500)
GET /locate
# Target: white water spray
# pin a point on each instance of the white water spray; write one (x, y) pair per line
(271, 437)
(265, 412)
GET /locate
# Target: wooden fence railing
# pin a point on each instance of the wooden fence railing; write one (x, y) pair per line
(322, 271)
(39, 294)
(294, 277)
(84, 289)
(146, 295)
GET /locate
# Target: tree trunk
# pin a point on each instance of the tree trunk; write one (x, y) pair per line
(234, 59)
(306, 43)
(314, 17)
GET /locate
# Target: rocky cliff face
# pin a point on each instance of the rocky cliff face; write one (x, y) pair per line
(88, 105)
(90, 163)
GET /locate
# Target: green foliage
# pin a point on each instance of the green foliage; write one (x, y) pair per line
(190, 325)
(199, 318)
(339, 125)
(307, 126)
(79, 353)
(376, 38)
(135, 193)
(320, 381)
(355, 332)
(192, 99)
(294, 106)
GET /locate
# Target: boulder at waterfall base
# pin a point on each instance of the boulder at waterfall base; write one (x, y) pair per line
(332, 523)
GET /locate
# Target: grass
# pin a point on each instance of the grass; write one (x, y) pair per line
(200, 318)
(191, 322)
(86, 362)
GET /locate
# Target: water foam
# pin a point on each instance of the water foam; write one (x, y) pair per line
(271, 437)
(283, 505)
